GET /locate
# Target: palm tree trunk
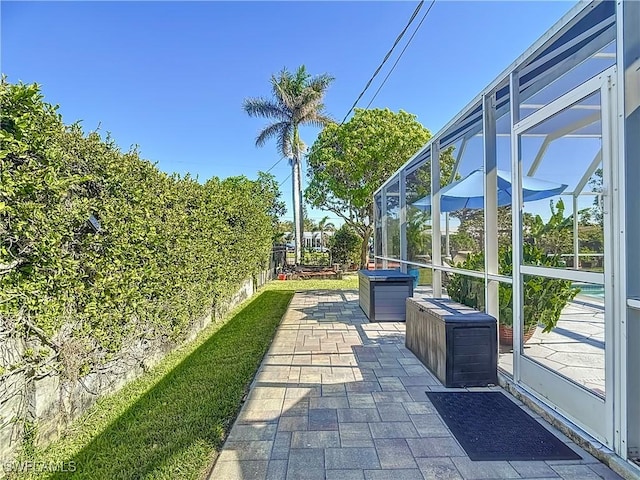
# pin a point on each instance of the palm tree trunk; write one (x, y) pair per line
(297, 206)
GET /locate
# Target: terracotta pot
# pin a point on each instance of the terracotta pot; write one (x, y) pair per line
(506, 334)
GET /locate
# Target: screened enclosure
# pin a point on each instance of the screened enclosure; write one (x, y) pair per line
(524, 206)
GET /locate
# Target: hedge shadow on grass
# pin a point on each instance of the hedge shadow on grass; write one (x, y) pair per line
(172, 430)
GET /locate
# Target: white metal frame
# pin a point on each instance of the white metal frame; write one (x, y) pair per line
(621, 433)
(383, 215)
(626, 302)
(579, 11)
(516, 222)
(574, 96)
(490, 204)
(402, 188)
(564, 274)
(587, 409)
(436, 234)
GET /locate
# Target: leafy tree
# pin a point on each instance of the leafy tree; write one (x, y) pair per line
(269, 192)
(285, 226)
(296, 100)
(592, 238)
(279, 238)
(418, 234)
(472, 226)
(586, 217)
(461, 241)
(309, 224)
(348, 162)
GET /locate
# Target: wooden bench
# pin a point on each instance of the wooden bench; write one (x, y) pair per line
(456, 343)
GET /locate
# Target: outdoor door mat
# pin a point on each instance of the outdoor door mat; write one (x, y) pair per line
(489, 426)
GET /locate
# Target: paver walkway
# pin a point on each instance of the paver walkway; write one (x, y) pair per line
(337, 397)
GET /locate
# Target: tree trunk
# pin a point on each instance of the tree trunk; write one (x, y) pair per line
(297, 207)
(364, 252)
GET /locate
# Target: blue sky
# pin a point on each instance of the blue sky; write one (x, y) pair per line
(171, 76)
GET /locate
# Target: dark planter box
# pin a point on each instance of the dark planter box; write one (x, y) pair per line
(383, 294)
(456, 343)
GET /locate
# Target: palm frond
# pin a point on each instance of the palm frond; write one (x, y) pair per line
(262, 107)
(318, 121)
(313, 115)
(320, 83)
(293, 83)
(294, 89)
(302, 75)
(325, 119)
(285, 139)
(285, 97)
(283, 86)
(309, 95)
(271, 131)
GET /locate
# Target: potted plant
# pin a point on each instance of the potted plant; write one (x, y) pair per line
(545, 298)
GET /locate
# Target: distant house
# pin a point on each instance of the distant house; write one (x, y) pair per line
(312, 240)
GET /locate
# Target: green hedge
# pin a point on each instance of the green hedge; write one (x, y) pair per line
(169, 250)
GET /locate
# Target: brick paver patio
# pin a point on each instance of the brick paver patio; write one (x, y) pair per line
(337, 397)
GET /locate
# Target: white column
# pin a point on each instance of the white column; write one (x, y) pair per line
(436, 235)
(627, 230)
(383, 216)
(576, 239)
(403, 219)
(490, 203)
(516, 223)
(447, 243)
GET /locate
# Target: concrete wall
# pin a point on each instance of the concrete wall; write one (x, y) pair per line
(14, 388)
(52, 401)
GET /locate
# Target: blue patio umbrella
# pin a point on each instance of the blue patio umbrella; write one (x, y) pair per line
(469, 192)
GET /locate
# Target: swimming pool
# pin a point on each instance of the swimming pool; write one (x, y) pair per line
(590, 289)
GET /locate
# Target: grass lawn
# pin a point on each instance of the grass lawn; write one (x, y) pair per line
(171, 422)
(426, 276)
(348, 282)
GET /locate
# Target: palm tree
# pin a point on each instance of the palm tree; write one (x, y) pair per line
(325, 226)
(297, 100)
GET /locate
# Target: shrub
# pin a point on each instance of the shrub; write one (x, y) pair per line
(345, 246)
(312, 257)
(545, 298)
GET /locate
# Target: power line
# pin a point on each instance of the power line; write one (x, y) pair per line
(273, 166)
(401, 53)
(399, 37)
(413, 16)
(282, 182)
